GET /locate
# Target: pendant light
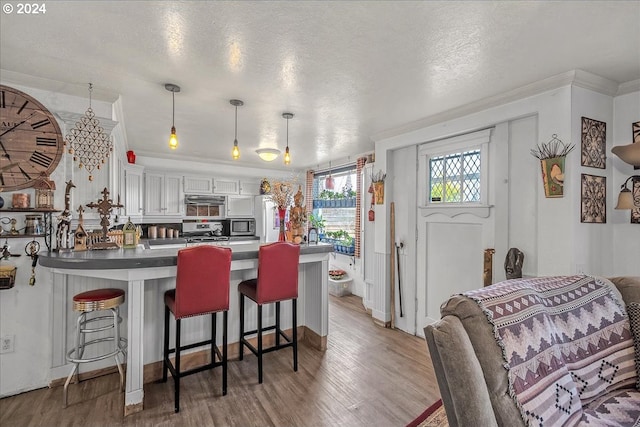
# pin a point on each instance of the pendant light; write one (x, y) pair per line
(328, 183)
(235, 153)
(287, 156)
(173, 139)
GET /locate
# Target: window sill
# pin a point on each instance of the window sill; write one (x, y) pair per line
(481, 211)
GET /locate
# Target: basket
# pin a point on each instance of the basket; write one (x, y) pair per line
(7, 276)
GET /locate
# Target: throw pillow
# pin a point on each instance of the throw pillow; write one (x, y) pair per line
(633, 309)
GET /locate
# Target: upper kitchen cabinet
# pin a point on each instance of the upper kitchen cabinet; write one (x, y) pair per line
(226, 186)
(198, 185)
(240, 206)
(250, 188)
(134, 184)
(163, 194)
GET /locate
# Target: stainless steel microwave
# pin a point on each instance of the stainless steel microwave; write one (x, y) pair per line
(239, 227)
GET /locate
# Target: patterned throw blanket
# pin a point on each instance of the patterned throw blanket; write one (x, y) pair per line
(566, 343)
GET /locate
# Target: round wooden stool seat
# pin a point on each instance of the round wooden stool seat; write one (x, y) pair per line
(98, 299)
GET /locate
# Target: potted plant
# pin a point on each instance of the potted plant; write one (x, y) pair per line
(318, 223)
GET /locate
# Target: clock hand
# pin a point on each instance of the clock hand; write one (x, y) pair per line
(5, 151)
(17, 125)
(9, 166)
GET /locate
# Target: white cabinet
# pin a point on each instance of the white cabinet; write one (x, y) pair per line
(226, 186)
(133, 191)
(163, 194)
(240, 206)
(198, 185)
(250, 188)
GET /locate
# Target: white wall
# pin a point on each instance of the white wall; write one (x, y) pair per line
(625, 236)
(548, 230)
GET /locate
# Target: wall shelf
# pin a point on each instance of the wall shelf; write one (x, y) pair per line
(48, 225)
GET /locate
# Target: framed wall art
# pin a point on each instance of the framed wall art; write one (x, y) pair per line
(594, 141)
(635, 212)
(593, 200)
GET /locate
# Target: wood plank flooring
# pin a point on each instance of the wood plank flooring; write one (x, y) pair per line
(369, 376)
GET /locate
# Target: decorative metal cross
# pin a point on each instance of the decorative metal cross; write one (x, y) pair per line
(105, 207)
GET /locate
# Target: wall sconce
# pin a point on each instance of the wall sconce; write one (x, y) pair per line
(627, 199)
(268, 154)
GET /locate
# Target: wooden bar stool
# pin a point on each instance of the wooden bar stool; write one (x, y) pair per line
(277, 281)
(202, 287)
(110, 300)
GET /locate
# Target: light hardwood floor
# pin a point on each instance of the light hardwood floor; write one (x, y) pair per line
(368, 376)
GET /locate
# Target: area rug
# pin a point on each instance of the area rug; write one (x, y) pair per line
(434, 416)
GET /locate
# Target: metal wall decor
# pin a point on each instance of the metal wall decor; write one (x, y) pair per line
(594, 141)
(593, 201)
(635, 212)
(88, 142)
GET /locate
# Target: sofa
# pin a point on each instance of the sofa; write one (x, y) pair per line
(548, 351)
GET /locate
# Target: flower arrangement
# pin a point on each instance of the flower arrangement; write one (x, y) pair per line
(281, 193)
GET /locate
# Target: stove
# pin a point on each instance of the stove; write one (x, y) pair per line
(205, 238)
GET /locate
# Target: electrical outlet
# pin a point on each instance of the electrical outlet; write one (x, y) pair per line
(6, 344)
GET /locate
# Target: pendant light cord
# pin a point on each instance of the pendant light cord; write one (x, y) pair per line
(173, 114)
(236, 131)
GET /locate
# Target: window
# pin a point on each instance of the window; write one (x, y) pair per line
(337, 207)
(455, 172)
(455, 178)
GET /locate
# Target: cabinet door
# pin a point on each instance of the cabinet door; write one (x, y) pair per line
(226, 186)
(240, 206)
(250, 188)
(198, 185)
(173, 202)
(153, 194)
(133, 191)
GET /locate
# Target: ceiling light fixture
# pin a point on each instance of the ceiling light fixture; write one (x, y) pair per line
(329, 184)
(235, 153)
(173, 139)
(626, 198)
(268, 154)
(287, 157)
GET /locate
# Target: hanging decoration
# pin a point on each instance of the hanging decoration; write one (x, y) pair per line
(551, 155)
(88, 142)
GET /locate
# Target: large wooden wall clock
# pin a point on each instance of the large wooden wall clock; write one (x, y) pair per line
(30, 139)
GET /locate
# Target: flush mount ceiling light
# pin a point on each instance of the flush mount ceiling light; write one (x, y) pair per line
(287, 157)
(235, 153)
(268, 154)
(173, 139)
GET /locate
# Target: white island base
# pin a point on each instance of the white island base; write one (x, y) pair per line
(145, 275)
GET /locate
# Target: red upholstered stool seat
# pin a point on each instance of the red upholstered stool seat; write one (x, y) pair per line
(97, 300)
(277, 281)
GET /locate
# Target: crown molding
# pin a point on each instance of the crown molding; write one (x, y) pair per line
(629, 87)
(577, 78)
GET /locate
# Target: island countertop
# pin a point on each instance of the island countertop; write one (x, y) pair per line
(141, 257)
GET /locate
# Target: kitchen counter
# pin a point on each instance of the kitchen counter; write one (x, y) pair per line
(142, 257)
(146, 273)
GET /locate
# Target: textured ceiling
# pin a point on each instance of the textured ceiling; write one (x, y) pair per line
(347, 70)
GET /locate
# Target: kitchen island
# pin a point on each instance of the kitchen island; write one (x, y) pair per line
(147, 274)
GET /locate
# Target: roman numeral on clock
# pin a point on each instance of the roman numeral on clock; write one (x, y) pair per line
(41, 159)
(22, 108)
(39, 124)
(3, 103)
(48, 142)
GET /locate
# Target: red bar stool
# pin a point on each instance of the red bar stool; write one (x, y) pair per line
(277, 281)
(110, 300)
(202, 287)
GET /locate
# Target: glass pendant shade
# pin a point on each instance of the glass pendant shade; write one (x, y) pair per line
(287, 157)
(328, 183)
(235, 153)
(625, 200)
(173, 139)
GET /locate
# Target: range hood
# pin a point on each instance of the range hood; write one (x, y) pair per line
(199, 199)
